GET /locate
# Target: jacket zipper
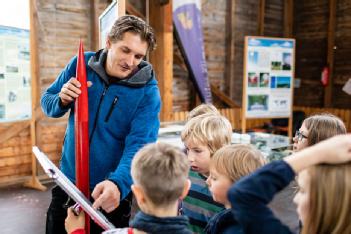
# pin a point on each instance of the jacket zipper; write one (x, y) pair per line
(97, 113)
(111, 109)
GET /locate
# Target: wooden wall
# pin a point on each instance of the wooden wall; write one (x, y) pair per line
(310, 31)
(342, 59)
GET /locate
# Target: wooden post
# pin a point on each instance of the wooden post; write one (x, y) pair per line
(288, 32)
(121, 7)
(160, 18)
(34, 181)
(94, 45)
(288, 18)
(230, 47)
(261, 12)
(328, 91)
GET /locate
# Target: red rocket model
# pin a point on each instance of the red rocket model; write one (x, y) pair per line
(81, 120)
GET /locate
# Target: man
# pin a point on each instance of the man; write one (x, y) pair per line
(124, 103)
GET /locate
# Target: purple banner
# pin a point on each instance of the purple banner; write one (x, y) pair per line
(187, 21)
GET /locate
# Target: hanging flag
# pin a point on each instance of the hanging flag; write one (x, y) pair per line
(187, 21)
(81, 121)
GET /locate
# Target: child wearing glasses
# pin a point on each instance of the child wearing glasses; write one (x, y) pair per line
(317, 128)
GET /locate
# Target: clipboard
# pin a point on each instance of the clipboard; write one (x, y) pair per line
(61, 180)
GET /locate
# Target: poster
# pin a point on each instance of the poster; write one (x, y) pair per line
(15, 83)
(106, 21)
(188, 31)
(268, 77)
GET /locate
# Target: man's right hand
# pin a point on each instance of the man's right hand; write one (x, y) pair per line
(70, 91)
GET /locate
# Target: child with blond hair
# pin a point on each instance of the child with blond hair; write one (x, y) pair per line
(204, 108)
(159, 173)
(202, 135)
(228, 165)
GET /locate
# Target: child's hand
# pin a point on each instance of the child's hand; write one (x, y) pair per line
(335, 150)
(73, 222)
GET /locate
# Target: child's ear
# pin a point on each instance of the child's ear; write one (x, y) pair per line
(186, 189)
(138, 193)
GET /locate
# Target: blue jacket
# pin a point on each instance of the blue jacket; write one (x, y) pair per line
(159, 225)
(250, 196)
(123, 117)
(223, 222)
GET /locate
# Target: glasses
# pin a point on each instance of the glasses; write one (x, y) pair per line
(299, 135)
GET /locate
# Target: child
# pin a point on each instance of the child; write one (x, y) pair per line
(205, 108)
(202, 135)
(323, 201)
(159, 173)
(228, 165)
(317, 128)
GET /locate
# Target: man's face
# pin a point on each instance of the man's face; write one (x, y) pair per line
(125, 55)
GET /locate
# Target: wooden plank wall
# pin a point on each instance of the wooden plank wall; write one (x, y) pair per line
(342, 56)
(61, 23)
(310, 31)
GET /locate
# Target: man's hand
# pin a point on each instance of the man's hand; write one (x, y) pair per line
(71, 90)
(106, 195)
(73, 222)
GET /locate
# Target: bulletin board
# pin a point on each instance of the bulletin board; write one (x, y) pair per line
(269, 68)
(107, 19)
(15, 74)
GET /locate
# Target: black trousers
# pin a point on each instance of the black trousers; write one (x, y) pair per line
(57, 213)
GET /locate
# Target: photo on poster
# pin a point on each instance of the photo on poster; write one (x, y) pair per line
(253, 58)
(2, 111)
(276, 61)
(283, 81)
(276, 65)
(286, 61)
(252, 79)
(2, 76)
(264, 79)
(273, 82)
(257, 103)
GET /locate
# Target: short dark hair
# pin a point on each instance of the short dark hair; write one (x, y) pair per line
(131, 23)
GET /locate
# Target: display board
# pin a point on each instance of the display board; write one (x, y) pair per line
(106, 20)
(15, 74)
(268, 77)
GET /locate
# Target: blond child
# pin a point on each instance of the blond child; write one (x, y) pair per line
(159, 173)
(202, 135)
(228, 165)
(205, 108)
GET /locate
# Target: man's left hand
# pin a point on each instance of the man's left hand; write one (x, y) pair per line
(106, 195)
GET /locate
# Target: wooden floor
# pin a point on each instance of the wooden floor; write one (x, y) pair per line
(23, 210)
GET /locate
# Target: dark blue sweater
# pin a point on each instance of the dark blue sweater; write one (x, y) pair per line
(156, 225)
(123, 117)
(250, 196)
